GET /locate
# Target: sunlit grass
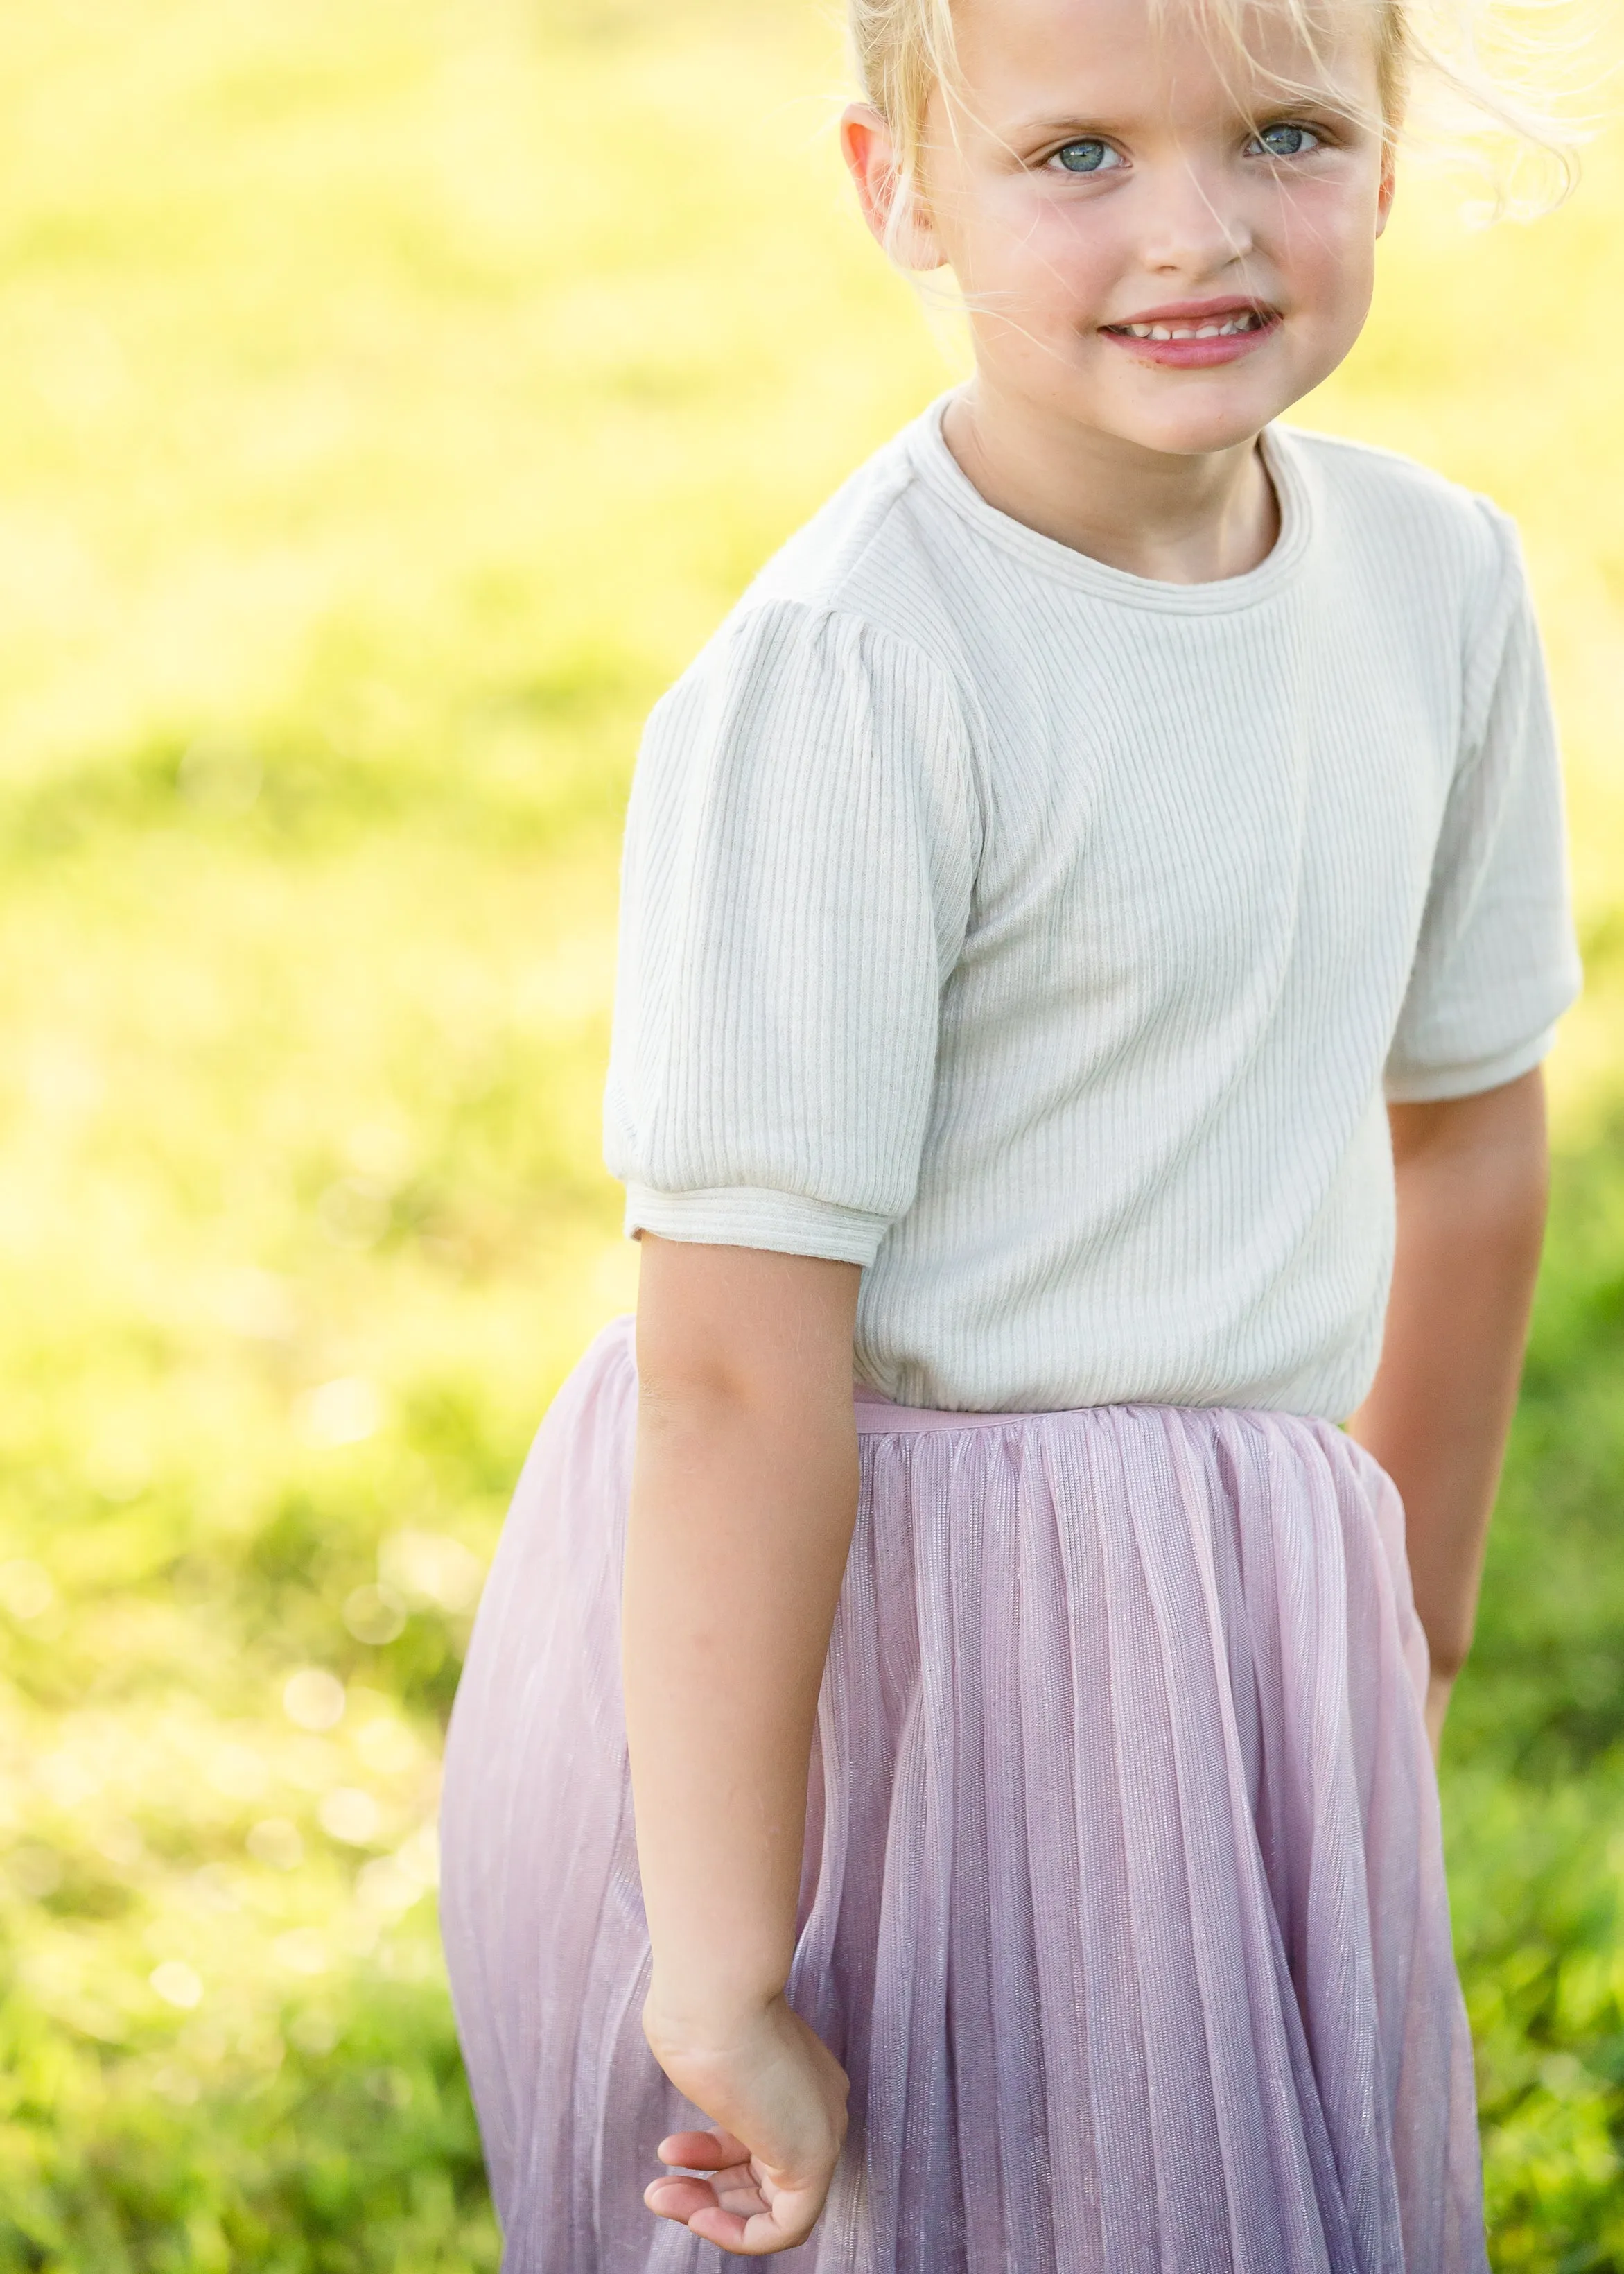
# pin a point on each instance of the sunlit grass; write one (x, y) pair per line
(392, 398)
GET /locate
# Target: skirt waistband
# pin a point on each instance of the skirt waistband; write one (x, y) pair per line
(877, 1417)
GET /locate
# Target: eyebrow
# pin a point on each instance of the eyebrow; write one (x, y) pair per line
(1078, 125)
(1069, 123)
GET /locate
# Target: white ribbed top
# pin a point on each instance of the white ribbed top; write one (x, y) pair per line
(1040, 936)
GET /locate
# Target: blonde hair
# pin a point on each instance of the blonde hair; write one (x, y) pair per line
(1470, 59)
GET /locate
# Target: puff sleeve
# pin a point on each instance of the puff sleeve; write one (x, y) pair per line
(1496, 963)
(799, 862)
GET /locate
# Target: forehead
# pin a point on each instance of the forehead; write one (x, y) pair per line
(1037, 58)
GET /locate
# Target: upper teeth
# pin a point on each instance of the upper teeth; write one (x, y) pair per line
(1248, 321)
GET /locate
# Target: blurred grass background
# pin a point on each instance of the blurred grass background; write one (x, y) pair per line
(392, 394)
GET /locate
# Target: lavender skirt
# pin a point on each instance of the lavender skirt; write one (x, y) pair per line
(1123, 1900)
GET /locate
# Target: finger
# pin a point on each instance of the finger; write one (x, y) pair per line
(790, 2221)
(703, 2151)
(679, 2199)
(725, 2228)
(738, 2190)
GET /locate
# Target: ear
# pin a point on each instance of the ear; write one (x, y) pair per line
(1388, 185)
(903, 230)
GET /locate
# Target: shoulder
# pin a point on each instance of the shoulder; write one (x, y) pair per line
(1409, 526)
(834, 561)
(861, 578)
(843, 649)
(1446, 562)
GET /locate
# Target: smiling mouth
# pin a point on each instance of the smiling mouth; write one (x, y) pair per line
(1225, 327)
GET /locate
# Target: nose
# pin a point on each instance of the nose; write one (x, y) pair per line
(1193, 222)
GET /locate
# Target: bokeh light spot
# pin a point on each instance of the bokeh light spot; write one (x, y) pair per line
(344, 1411)
(301, 1950)
(27, 1588)
(374, 1615)
(313, 1699)
(429, 1567)
(178, 1983)
(387, 1746)
(276, 1841)
(349, 1815)
(33, 1870)
(384, 1886)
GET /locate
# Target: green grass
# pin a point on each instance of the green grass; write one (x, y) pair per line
(1535, 1792)
(392, 398)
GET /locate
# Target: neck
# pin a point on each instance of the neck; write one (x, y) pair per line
(1180, 519)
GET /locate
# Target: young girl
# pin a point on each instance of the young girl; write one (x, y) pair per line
(1110, 853)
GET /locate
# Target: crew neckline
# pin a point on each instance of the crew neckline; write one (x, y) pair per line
(1063, 563)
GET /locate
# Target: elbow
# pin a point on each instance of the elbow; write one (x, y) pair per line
(702, 1389)
(1505, 1227)
(737, 1335)
(1447, 1656)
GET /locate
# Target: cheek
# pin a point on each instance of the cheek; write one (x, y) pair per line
(1047, 254)
(1324, 239)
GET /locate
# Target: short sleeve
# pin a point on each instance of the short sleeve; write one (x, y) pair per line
(800, 857)
(1496, 963)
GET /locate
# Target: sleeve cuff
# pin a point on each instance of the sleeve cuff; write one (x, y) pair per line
(1427, 1086)
(748, 1215)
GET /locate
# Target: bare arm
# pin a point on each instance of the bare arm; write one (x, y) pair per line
(1471, 1175)
(743, 1499)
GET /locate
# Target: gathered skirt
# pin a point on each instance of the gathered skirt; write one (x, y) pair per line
(1124, 1898)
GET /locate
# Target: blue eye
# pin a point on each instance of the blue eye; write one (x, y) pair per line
(1286, 141)
(1089, 157)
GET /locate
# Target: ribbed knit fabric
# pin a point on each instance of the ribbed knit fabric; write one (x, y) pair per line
(1044, 937)
(1124, 1896)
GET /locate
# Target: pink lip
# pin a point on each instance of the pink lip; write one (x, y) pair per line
(1195, 354)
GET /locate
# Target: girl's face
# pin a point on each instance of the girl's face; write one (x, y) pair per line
(1151, 238)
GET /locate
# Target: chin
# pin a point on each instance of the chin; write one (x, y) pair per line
(1206, 421)
(1198, 438)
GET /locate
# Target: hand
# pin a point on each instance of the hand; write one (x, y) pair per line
(777, 2096)
(1439, 1689)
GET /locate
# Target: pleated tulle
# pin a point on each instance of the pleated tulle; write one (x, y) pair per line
(1123, 1901)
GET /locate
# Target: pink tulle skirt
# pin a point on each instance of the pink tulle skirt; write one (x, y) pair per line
(1123, 1899)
